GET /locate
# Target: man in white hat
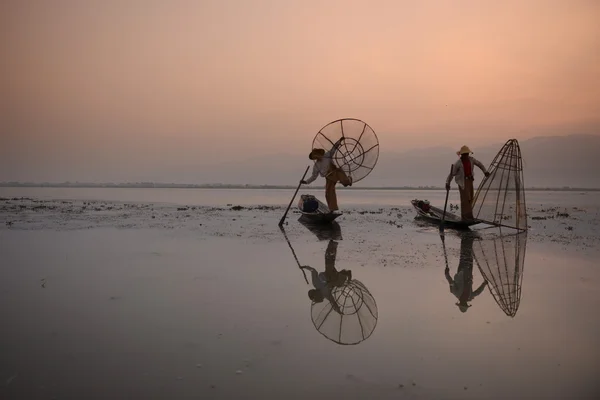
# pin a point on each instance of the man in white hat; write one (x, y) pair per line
(463, 173)
(325, 167)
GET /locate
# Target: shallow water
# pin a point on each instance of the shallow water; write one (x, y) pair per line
(112, 303)
(222, 197)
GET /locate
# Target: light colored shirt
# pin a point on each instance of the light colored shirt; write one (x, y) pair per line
(458, 171)
(323, 165)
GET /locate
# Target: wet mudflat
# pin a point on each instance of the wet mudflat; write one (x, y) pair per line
(107, 299)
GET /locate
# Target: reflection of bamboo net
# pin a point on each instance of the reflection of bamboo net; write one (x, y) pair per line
(500, 198)
(501, 261)
(356, 319)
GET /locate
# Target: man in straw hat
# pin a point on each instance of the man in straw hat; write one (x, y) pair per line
(463, 171)
(325, 167)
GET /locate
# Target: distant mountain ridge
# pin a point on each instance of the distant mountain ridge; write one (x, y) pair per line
(162, 185)
(549, 162)
(553, 161)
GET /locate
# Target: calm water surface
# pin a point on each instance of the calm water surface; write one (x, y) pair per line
(221, 197)
(110, 313)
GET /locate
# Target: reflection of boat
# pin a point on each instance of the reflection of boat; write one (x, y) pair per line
(323, 231)
(321, 214)
(434, 215)
(501, 261)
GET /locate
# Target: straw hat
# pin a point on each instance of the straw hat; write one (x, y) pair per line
(316, 152)
(464, 150)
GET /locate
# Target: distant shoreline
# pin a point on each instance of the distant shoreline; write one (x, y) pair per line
(146, 185)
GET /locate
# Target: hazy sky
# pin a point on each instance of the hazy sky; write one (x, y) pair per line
(105, 88)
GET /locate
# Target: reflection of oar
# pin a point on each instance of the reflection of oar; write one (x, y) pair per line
(295, 193)
(444, 246)
(445, 205)
(294, 253)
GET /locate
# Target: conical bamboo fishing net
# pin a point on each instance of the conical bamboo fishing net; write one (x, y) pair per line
(355, 318)
(500, 198)
(501, 261)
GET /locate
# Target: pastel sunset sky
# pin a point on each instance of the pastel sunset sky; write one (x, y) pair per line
(124, 85)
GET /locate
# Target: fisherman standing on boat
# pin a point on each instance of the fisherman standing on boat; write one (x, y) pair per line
(462, 284)
(325, 167)
(463, 171)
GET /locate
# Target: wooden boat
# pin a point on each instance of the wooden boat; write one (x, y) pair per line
(434, 215)
(321, 216)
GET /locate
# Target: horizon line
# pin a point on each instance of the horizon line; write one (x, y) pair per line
(162, 185)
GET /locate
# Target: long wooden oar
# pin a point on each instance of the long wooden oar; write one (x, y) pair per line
(445, 205)
(295, 193)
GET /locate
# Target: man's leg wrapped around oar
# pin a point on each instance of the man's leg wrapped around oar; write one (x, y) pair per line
(466, 200)
(334, 176)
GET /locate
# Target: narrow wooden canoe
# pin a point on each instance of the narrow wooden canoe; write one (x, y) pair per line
(322, 215)
(434, 215)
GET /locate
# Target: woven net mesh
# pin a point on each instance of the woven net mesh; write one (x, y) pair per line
(356, 319)
(501, 261)
(358, 153)
(500, 198)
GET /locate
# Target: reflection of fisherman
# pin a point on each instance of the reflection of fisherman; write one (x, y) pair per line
(327, 169)
(324, 282)
(462, 284)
